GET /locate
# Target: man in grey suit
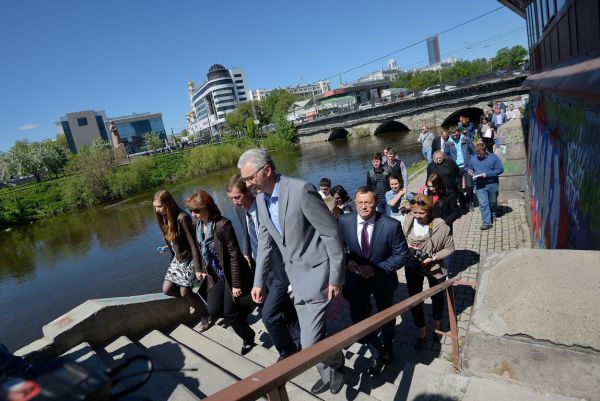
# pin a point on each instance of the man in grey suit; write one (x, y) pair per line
(278, 313)
(295, 219)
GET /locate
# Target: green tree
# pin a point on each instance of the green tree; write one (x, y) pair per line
(153, 141)
(507, 58)
(54, 156)
(87, 183)
(25, 158)
(241, 120)
(284, 128)
(278, 102)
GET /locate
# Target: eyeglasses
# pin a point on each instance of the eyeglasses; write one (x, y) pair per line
(419, 202)
(253, 176)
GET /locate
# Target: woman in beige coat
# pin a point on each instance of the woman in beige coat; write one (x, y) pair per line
(429, 241)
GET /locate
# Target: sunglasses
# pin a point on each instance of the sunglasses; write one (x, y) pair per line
(419, 202)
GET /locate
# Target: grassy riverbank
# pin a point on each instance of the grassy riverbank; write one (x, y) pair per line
(93, 179)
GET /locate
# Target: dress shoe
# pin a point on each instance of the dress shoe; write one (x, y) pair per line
(283, 356)
(377, 365)
(420, 343)
(337, 380)
(319, 387)
(247, 348)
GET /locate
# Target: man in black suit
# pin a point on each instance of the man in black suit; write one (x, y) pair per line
(278, 313)
(376, 250)
(440, 143)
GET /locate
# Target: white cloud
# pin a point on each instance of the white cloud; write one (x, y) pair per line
(28, 127)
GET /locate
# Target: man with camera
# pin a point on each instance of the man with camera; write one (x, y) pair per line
(376, 249)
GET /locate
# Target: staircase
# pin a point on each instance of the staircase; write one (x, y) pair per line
(190, 365)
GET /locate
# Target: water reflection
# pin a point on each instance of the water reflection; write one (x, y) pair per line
(51, 266)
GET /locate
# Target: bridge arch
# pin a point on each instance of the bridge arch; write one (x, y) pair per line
(472, 112)
(337, 133)
(391, 125)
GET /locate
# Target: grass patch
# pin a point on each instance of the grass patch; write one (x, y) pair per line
(416, 166)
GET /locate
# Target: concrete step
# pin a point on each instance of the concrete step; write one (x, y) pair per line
(161, 386)
(264, 357)
(200, 376)
(227, 359)
(85, 355)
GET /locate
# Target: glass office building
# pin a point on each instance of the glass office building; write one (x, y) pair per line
(133, 128)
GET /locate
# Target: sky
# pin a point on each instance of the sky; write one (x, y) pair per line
(126, 56)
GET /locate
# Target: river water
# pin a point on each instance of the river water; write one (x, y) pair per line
(51, 266)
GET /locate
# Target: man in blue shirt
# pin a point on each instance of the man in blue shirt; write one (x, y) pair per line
(463, 152)
(485, 169)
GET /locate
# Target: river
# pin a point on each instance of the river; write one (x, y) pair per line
(51, 266)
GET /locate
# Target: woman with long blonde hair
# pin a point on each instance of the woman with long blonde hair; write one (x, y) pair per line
(179, 235)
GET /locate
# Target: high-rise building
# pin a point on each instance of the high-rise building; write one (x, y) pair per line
(433, 50)
(134, 127)
(214, 98)
(392, 64)
(82, 128)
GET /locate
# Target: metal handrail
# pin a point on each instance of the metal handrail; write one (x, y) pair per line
(271, 380)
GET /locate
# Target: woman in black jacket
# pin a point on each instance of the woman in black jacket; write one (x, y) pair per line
(228, 275)
(445, 203)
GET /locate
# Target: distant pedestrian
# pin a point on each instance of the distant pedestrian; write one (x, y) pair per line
(463, 151)
(426, 138)
(397, 167)
(485, 169)
(488, 134)
(342, 200)
(378, 178)
(179, 235)
(439, 143)
(512, 113)
(446, 168)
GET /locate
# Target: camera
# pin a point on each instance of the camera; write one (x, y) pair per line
(422, 255)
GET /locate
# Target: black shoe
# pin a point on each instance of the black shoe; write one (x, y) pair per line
(486, 226)
(247, 348)
(283, 356)
(319, 387)
(337, 380)
(376, 367)
(420, 343)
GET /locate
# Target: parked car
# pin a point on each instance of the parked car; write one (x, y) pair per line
(377, 104)
(364, 106)
(432, 89)
(449, 87)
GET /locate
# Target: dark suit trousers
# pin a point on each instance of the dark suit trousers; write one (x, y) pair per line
(359, 300)
(221, 303)
(280, 318)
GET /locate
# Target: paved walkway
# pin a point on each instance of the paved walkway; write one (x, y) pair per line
(510, 232)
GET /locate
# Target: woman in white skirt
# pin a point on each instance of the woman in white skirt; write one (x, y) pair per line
(179, 234)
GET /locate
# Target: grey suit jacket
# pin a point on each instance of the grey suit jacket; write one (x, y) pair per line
(310, 242)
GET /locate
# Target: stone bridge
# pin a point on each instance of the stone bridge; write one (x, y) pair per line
(438, 110)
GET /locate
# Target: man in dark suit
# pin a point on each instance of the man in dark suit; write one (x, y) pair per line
(441, 143)
(295, 220)
(278, 313)
(376, 250)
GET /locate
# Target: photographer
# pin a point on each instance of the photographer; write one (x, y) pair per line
(429, 242)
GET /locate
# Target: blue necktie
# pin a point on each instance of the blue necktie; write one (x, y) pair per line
(252, 233)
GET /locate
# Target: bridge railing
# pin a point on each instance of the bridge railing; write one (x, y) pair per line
(271, 381)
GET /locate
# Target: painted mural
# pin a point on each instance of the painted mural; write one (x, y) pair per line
(564, 172)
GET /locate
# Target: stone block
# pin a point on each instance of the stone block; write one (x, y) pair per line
(99, 320)
(534, 321)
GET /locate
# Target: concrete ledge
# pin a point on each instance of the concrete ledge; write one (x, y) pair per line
(99, 320)
(535, 321)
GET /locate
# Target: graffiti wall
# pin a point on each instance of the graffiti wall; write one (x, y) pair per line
(563, 172)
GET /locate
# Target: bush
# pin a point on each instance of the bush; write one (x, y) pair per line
(360, 132)
(206, 159)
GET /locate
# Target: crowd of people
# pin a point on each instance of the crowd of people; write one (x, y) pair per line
(301, 247)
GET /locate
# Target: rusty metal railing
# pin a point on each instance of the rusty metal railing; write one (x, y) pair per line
(271, 381)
